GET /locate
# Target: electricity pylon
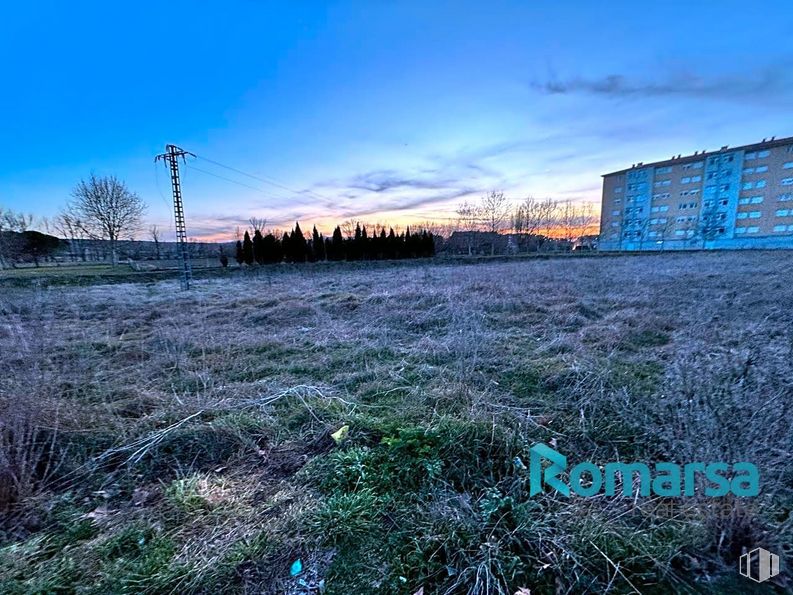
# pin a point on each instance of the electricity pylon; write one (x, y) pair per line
(171, 158)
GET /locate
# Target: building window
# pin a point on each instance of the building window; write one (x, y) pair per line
(663, 170)
(752, 229)
(763, 154)
(742, 215)
(780, 227)
(724, 202)
(761, 169)
(740, 229)
(696, 178)
(785, 197)
(782, 212)
(755, 200)
(615, 213)
(747, 186)
(754, 214)
(618, 189)
(760, 184)
(750, 156)
(788, 165)
(787, 181)
(748, 171)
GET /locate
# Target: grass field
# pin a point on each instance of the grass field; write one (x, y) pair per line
(157, 441)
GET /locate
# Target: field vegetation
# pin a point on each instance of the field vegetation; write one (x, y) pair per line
(344, 429)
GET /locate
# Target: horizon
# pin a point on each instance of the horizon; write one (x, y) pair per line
(330, 112)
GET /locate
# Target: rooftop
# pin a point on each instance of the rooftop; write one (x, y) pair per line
(699, 155)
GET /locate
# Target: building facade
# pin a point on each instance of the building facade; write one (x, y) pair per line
(738, 197)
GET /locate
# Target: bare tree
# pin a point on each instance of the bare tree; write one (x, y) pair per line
(468, 221)
(348, 228)
(528, 216)
(155, 234)
(258, 224)
(468, 216)
(547, 216)
(106, 210)
(9, 243)
(67, 227)
(567, 219)
(585, 219)
(495, 211)
(438, 229)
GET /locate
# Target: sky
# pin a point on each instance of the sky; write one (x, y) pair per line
(378, 110)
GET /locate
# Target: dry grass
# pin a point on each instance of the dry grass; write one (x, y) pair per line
(197, 426)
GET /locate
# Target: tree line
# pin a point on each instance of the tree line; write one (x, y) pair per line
(294, 247)
(19, 244)
(496, 213)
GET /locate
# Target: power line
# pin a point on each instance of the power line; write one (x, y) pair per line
(267, 193)
(209, 173)
(268, 180)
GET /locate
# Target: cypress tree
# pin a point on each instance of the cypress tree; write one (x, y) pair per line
(329, 249)
(286, 246)
(354, 245)
(338, 244)
(318, 245)
(247, 249)
(382, 247)
(392, 244)
(239, 256)
(298, 244)
(365, 247)
(430, 244)
(258, 248)
(278, 250)
(269, 249)
(407, 250)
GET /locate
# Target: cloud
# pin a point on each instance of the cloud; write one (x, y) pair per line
(773, 82)
(388, 180)
(402, 204)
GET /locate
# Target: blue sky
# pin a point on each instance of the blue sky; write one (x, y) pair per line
(384, 111)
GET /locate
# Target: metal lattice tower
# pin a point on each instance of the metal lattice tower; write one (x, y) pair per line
(171, 158)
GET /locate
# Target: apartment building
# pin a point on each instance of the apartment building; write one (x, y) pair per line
(738, 197)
